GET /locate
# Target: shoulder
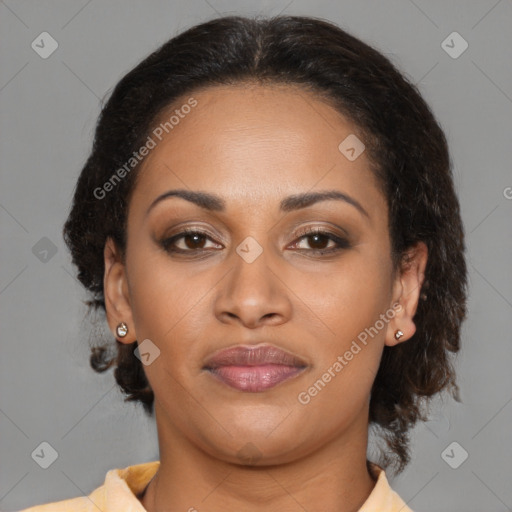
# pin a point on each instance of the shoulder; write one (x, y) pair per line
(383, 498)
(81, 504)
(117, 494)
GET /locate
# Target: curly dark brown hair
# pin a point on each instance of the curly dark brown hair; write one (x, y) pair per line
(404, 142)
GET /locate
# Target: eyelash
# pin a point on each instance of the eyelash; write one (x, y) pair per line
(342, 243)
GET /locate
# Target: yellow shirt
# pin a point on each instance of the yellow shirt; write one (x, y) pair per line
(121, 487)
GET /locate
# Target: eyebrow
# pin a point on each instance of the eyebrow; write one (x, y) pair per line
(294, 202)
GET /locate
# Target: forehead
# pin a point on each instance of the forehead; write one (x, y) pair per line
(252, 143)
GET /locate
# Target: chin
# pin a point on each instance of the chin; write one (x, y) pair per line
(256, 447)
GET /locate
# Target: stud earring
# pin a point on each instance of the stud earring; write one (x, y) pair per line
(122, 330)
(398, 335)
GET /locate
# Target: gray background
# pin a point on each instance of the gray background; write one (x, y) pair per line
(48, 112)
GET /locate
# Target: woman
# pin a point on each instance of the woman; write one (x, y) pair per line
(269, 222)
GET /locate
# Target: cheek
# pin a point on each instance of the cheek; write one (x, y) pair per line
(350, 302)
(168, 302)
(161, 299)
(351, 296)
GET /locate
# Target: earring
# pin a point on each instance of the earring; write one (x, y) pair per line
(398, 335)
(122, 330)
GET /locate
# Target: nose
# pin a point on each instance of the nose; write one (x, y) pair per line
(253, 293)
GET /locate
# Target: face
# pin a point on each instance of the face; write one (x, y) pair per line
(258, 265)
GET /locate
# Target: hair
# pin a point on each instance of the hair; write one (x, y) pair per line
(404, 143)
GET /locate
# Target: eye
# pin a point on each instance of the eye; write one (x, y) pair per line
(192, 240)
(318, 238)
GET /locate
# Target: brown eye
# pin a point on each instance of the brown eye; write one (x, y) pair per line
(193, 241)
(318, 240)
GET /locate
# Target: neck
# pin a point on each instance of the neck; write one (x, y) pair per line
(333, 478)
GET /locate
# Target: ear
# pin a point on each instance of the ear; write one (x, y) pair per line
(406, 293)
(116, 292)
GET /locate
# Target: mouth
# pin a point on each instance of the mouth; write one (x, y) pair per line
(255, 368)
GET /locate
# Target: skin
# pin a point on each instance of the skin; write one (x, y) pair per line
(254, 145)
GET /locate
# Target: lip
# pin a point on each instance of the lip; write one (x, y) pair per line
(254, 368)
